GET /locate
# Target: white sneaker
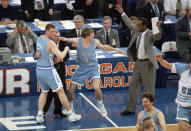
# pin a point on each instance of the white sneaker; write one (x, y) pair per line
(73, 117)
(39, 119)
(102, 110)
(65, 112)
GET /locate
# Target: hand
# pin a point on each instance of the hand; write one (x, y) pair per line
(50, 12)
(15, 31)
(121, 52)
(37, 55)
(182, 13)
(189, 34)
(27, 14)
(110, 6)
(119, 9)
(159, 23)
(7, 21)
(29, 29)
(88, 2)
(67, 49)
(158, 56)
(62, 38)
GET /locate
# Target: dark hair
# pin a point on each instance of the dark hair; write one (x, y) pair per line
(150, 96)
(86, 32)
(143, 20)
(49, 26)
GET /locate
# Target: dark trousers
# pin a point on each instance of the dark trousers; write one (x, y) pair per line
(51, 95)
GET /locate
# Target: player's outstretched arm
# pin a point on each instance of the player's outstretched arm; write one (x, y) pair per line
(51, 46)
(162, 122)
(138, 125)
(163, 62)
(107, 47)
(73, 41)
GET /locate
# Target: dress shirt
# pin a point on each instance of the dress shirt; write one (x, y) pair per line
(141, 51)
(170, 5)
(80, 32)
(21, 46)
(153, 6)
(107, 31)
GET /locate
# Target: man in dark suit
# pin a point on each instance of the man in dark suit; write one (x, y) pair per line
(183, 35)
(8, 14)
(76, 32)
(141, 52)
(150, 10)
(60, 67)
(107, 35)
(37, 9)
(153, 9)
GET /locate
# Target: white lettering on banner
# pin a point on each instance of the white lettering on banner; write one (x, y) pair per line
(11, 124)
(22, 108)
(11, 83)
(1, 81)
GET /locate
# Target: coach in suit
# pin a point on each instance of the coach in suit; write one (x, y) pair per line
(37, 9)
(107, 35)
(183, 35)
(76, 32)
(141, 52)
(21, 40)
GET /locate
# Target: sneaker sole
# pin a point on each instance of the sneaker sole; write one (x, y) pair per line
(77, 119)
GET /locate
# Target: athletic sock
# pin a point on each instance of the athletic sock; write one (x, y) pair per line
(71, 105)
(99, 102)
(69, 112)
(40, 112)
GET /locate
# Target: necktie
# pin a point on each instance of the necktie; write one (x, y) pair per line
(138, 43)
(156, 11)
(119, 2)
(23, 44)
(179, 5)
(107, 38)
(78, 33)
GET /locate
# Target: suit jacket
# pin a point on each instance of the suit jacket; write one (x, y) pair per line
(13, 41)
(60, 67)
(148, 42)
(100, 35)
(29, 6)
(72, 34)
(183, 41)
(148, 12)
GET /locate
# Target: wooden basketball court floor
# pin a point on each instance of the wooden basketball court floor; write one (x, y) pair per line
(19, 113)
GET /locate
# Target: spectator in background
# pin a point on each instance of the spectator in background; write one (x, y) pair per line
(8, 15)
(88, 8)
(127, 34)
(110, 9)
(107, 35)
(37, 9)
(152, 112)
(142, 3)
(153, 9)
(77, 31)
(150, 10)
(21, 40)
(183, 35)
(176, 7)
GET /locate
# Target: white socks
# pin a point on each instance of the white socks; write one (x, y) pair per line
(40, 112)
(99, 102)
(71, 105)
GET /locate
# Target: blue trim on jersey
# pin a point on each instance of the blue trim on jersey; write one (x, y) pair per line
(181, 67)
